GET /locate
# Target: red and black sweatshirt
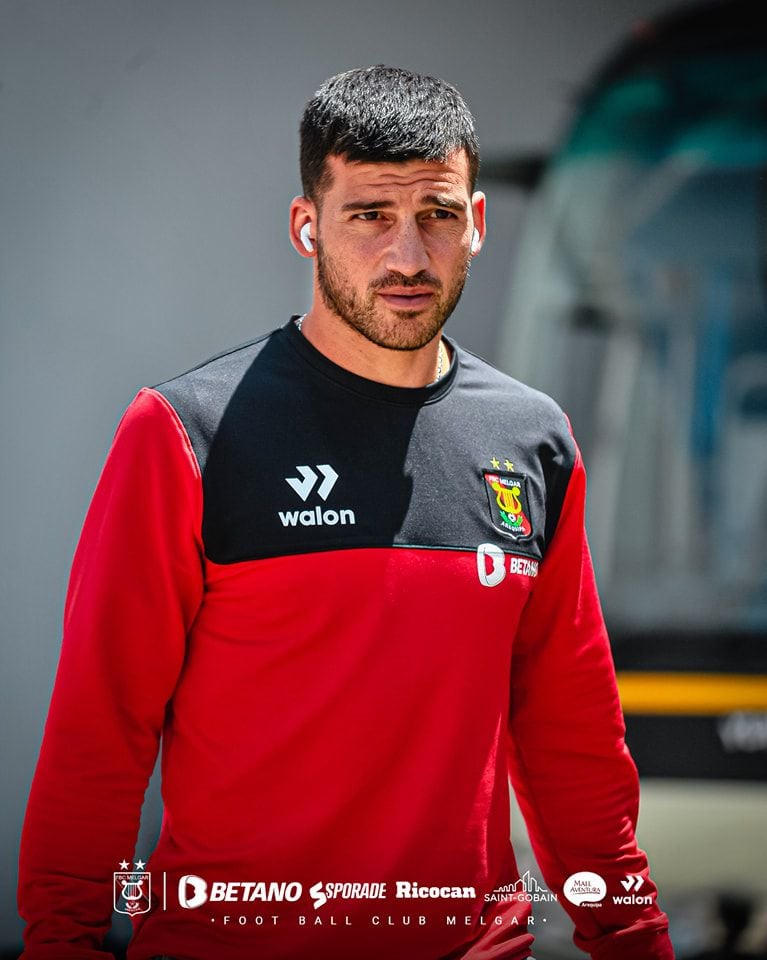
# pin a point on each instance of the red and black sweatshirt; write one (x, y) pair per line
(347, 611)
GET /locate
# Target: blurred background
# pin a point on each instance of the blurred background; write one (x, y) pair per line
(148, 154)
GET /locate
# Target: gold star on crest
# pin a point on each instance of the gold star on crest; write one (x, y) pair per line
(495, 463)
(508, 464)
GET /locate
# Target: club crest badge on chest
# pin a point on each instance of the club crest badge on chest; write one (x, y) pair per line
(507, 498)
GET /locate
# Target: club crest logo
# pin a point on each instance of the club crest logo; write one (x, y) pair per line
(509, 508)
(132, 889)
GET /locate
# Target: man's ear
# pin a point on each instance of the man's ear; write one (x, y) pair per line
(478, 204)
(303, 226)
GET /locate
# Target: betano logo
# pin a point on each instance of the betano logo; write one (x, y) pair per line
(303, 485)
(193, 892)
(492, 563)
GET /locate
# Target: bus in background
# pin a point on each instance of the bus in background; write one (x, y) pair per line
(639, 301)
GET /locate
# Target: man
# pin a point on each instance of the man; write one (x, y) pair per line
(342, 572)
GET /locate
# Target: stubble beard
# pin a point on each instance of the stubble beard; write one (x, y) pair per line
(403, 330)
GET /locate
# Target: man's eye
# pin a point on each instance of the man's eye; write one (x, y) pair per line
(367, 215)
(440, 214)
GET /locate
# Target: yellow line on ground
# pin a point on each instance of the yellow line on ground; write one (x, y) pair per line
(706, 694)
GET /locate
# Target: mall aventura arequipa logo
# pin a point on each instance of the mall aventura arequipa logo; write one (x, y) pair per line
(585, 889)
(527, 889)
(132, 889)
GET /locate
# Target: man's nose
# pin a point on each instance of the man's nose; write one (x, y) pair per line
(407, 252)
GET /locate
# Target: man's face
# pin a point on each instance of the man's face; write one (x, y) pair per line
(394, 245)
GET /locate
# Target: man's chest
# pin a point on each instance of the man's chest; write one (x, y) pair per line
(315, 476)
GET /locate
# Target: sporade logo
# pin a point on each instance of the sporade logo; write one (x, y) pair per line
(304, 485)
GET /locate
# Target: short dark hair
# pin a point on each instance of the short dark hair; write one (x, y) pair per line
(383, 114)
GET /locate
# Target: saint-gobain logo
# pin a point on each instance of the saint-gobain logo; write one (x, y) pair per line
(584, 888)
(526, 889)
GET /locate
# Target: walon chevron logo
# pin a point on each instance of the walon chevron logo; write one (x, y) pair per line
(632, 882)
(309, 478)
(305, 485)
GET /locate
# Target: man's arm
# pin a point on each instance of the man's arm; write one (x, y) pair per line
(575, 781)
(135, 586)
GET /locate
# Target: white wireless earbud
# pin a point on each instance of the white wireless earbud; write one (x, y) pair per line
(475, 241)
(306, 240)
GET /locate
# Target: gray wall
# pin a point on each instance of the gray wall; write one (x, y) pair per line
(147, 159)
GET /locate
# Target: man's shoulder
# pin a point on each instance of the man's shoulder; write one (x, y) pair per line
(223, 369)
(509, 396)
(202, 395)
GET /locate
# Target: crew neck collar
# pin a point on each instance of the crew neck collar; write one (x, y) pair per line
(372, 388)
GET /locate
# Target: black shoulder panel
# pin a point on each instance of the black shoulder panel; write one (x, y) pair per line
(299, 455)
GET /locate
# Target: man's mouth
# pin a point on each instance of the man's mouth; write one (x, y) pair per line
(406, 299)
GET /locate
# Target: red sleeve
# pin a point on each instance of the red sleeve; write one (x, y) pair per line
(574, 779)
(135, 586)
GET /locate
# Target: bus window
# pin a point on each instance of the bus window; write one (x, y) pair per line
(638, 302)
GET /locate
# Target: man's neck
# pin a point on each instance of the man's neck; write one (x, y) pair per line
(349, 349)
